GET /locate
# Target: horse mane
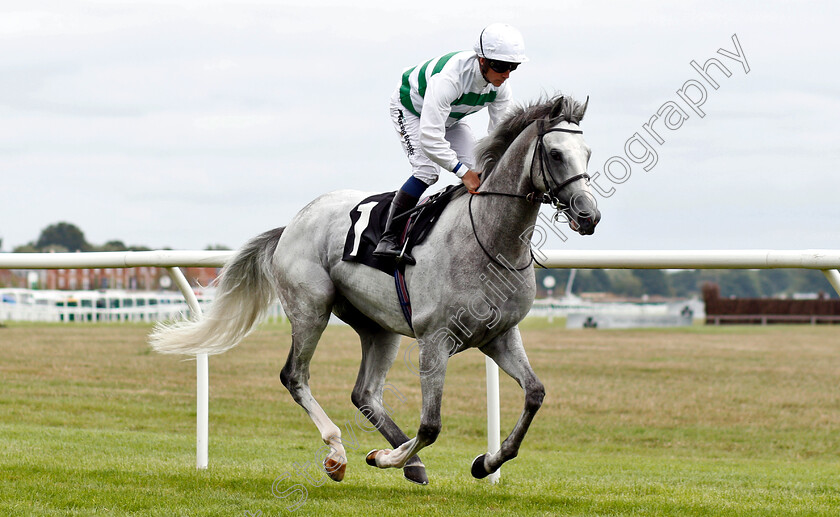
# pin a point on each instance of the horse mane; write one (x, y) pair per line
(555, 109)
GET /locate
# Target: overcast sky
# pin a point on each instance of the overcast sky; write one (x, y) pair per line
(187, 123)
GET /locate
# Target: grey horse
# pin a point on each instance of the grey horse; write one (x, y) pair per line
(472, 284)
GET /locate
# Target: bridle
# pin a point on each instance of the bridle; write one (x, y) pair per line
(551, 197)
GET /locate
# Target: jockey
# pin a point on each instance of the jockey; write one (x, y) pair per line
(427, 109)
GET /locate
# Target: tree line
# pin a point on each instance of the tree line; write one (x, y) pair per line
(741, 283)
(67, 237)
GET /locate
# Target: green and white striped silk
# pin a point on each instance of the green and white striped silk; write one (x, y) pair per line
(416, 79)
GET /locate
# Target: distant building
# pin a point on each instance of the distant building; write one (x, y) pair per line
(133, 279)
(765, 311)
(9, 278)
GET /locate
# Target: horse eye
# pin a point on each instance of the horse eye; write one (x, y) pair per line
(556, 155)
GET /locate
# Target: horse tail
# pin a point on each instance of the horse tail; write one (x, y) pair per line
(245, 288)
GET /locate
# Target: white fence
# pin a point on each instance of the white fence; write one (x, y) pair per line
(103, 305)
(826, 260)
(91, 306)
(167, 259)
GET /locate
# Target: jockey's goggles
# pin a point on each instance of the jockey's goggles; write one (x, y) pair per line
(502, 66)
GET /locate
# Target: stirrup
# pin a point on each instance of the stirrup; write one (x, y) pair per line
(405, 257)
(396, 253)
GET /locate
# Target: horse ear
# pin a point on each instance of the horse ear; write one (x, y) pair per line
(557, 109)
(582, 110)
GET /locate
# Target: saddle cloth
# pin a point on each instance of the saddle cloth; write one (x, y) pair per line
(367, 223)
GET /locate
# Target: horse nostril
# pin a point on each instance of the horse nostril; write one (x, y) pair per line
(584, 221)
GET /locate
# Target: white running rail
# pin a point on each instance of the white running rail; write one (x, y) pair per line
(167, 259)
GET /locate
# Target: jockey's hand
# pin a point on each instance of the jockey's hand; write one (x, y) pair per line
(471, 180)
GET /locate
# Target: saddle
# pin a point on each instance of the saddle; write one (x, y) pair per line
(367, 222)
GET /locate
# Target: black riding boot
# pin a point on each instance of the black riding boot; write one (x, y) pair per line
(389, 244)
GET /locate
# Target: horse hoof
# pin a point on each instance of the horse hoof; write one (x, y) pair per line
(478, 471)
(370, 459)
(416, 474)
(334, 469)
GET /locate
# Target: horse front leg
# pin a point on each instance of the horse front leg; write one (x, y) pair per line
(433, 359)
(507, 351)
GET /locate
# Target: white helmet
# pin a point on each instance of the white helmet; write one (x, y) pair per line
(501, 42)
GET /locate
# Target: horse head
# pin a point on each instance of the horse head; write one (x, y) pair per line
(558, 168)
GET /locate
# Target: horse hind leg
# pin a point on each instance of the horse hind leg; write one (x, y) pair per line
(433, 359)
(507, 351)
(306, 331)
(379, 350)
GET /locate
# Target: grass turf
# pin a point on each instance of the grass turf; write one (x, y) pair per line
(697, 421)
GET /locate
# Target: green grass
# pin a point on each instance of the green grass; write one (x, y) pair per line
(697, 421)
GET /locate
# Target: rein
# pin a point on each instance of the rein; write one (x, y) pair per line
(546, 198)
